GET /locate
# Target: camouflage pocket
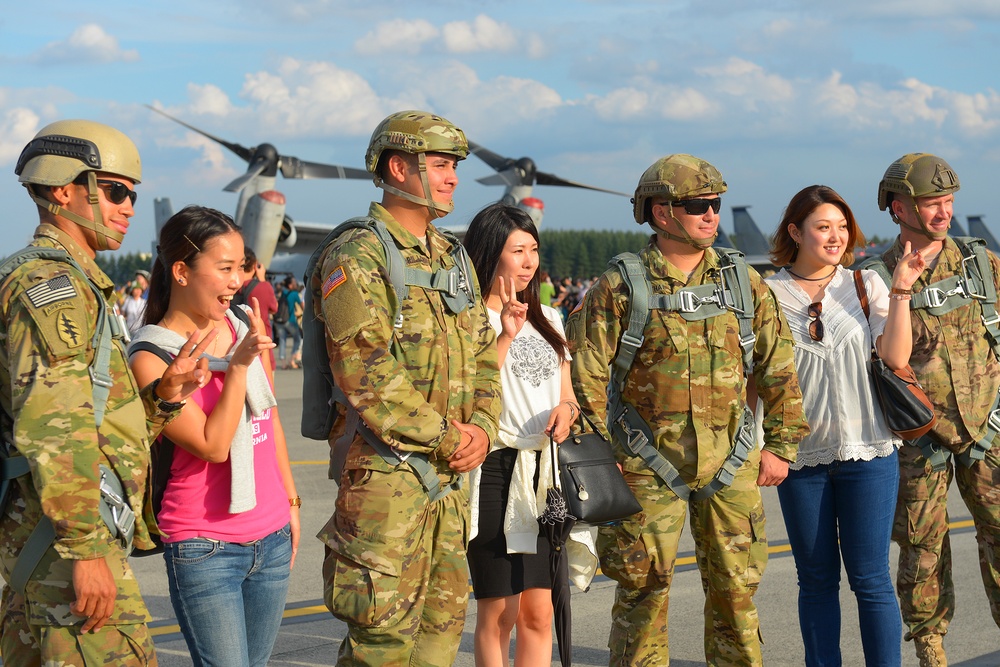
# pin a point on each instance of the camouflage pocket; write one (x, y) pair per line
(359, 589)
(628, 554)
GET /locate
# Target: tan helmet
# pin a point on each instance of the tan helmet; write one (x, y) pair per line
(64, 151)
(917, 175)
(675, 177)
(418, 133)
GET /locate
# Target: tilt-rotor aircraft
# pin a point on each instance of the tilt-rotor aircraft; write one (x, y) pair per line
(260, 211)
(284, 246)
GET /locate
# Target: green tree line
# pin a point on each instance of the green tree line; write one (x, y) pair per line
(584, 254)
(121, 268)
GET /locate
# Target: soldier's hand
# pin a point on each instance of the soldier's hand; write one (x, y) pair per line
(773, 469)
(95, 590)
(472, 448)
(189, 370)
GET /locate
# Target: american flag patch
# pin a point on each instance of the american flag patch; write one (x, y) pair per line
(335, 280)
(55, 289)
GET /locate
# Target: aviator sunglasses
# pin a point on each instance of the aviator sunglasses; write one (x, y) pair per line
(816, 329)
(699, 206)
(117, 192)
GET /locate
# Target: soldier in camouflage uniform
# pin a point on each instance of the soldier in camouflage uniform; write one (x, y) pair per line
(687, 385)
(81, 606)
(425, 386)
(960, 374)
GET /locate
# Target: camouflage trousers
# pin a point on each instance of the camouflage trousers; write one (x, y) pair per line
(25, 645)
(924, 581)
(395, 570)
(731, 551)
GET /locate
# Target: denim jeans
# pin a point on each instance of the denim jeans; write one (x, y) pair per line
(229, 597)
(855, 501)
(282, 332)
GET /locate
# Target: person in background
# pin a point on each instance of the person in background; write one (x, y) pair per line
(840, 494)
(255, 285)
(290, 328)
(546, 290)
(133, 307)
(230, 513)
(508, 552)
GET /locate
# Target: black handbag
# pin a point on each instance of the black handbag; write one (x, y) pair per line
(592, 484)
(908, 412)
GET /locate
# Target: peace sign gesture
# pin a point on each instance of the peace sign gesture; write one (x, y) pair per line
(514, 313)
(255, 341)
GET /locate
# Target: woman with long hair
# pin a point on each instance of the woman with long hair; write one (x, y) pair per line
(509, 555)
(229, 518)
(840, 494)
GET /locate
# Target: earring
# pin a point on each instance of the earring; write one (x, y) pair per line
(181, 281)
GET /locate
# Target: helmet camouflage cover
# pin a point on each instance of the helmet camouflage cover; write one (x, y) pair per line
(63, 150)
(675, 177)
(415, 132)
(917, 175)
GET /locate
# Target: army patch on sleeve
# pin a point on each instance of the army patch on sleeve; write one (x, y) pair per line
(334, 280)
(69, 330)
(59, 288)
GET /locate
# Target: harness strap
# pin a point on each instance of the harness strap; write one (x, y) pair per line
(634, 435)
(935, 454)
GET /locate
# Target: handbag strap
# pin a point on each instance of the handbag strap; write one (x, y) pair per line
(862, 292)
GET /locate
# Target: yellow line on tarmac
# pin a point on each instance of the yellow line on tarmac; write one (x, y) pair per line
(320, 609)
(310, 463)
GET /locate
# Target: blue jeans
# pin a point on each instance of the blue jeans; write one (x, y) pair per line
(229, 597)
(282, 332)
(855, 500)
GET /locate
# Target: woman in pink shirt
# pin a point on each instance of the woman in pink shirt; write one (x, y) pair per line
(230, 513)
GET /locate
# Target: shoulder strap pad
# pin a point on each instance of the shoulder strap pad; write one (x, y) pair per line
(878, 266)
(633, 273)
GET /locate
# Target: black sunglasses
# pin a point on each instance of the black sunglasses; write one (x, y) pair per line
(117, 192)
(816, 329)
(699, 206)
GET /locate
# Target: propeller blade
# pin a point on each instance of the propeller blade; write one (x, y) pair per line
(292, 167)
(541, 178)
(497, 162)
(256, 169)
(242, 151)
(508, 177)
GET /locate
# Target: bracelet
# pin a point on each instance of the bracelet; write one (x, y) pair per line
(900, 297)
(295, 502)
(897, 290)
(574, 408)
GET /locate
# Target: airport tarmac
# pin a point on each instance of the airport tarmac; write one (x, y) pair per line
(310, 636)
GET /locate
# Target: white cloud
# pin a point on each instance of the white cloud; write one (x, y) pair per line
(88, 44)
(748, 83)
(399, 36)
(482, 34)
(208, 99)
(17, 126)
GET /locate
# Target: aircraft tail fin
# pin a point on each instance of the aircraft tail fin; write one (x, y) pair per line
(978, 228)
(748, 237)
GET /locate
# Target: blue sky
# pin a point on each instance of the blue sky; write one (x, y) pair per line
(777, 94)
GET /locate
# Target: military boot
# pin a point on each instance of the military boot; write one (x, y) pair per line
(930, 651)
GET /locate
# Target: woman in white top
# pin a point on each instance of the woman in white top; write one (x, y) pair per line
(508, 555)
(842, 488)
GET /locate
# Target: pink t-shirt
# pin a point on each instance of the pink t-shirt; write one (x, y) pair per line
(196, 500)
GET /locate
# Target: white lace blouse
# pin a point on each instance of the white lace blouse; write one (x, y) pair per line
(844, 417)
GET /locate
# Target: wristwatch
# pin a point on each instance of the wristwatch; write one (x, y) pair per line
(164, 408)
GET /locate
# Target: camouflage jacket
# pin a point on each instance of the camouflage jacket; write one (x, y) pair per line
(687, 379)
(951, 354)
(48, 314)
(407, 383)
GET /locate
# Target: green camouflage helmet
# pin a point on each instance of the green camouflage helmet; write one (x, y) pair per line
(917, 175)
(415, 132)
(675, 177)
(63, 150)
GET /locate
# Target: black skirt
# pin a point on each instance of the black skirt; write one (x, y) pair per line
(495, 573)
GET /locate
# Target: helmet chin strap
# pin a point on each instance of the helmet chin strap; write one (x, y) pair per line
(102, 231)
(922, 229)
(702, 244)
(439, 210)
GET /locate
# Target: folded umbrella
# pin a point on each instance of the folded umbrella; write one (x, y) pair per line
(557, 524)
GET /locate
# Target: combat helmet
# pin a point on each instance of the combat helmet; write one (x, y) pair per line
(417, 133)
(917, 175)
(64, 151)
(675, 177)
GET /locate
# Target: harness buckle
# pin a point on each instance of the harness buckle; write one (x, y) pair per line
(935, 296)
(632, 341)
(993, 420)
(634, 436)
(967, 280)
